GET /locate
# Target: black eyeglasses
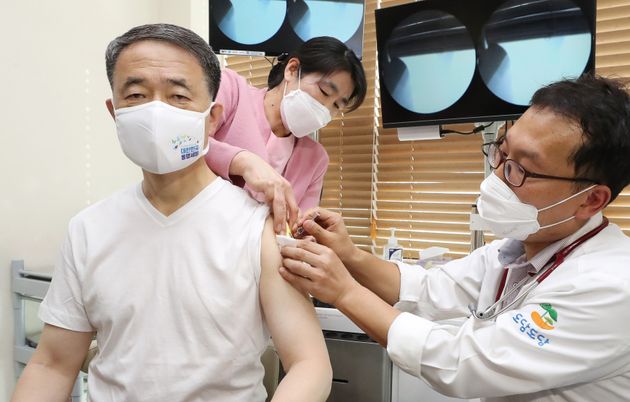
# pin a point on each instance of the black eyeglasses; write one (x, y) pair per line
(514, 173)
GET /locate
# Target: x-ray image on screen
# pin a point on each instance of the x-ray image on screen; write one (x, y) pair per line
(528, 44)
(249, 21)
(274, 27)
(311, 18)
(457, 61)
(429, 61)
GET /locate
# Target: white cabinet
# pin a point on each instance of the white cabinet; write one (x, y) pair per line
(404, 387)
(407, 388)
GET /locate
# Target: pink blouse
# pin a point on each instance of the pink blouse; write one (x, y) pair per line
(244, 126)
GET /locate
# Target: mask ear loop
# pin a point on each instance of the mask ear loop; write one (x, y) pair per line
(287, 82)
(206, 136)
(560, 202)
(299, 77)
(567, 199)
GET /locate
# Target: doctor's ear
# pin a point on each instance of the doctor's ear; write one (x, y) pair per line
(597, 200)
(291, 69)
(110, 107)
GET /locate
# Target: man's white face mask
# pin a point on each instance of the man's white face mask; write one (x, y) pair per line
(161, 138)
(301, 113)
(506, 216)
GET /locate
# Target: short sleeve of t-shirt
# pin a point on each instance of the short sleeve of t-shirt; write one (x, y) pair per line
(63, 304)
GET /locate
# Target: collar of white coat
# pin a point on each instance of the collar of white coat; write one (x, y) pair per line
(512, 249)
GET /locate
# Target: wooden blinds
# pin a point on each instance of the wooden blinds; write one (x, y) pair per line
(349, 140)
(424, 189)
(612, 54)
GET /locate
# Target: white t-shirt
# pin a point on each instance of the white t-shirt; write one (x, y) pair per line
(174, 300)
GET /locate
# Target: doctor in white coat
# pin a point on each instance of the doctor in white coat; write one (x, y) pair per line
(548, 305)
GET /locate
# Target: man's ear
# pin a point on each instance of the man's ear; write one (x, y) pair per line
(110, 107)
(291, 69)
(214, 118)
(595, 202)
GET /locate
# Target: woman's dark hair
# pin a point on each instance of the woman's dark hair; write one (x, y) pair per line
(325, 55)
(601, 108)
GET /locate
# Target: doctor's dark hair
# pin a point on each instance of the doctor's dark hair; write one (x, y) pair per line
(325, 55)
(176, 35)
(601, 108)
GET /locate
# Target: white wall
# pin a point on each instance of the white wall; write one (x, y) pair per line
(59, 151)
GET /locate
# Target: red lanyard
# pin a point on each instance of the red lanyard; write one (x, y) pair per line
(557, 258)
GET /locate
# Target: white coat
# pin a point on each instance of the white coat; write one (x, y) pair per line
(567, 340)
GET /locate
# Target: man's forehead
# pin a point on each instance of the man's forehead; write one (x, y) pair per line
(547, 124)
(148, 57)
(541, 133)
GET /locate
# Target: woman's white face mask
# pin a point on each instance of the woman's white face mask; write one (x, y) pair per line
(506, 216)
(301, 113)
(161, 138)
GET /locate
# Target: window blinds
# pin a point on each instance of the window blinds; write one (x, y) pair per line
(424, 189)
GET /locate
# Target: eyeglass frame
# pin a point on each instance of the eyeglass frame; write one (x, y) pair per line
(485, 148)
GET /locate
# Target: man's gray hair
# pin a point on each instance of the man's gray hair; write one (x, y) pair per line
(181, 37)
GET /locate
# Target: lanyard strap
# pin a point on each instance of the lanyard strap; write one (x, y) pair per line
(557, 259)
(501, 285)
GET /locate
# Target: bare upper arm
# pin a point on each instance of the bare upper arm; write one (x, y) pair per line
(62, 348)
(290, 315)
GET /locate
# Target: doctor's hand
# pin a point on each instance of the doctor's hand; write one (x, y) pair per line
(316, 269)
(329, 230)
(271, 187)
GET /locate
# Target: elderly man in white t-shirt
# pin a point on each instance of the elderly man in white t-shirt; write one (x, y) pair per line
(178, 275)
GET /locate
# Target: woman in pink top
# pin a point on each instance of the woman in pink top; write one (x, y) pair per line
(262, 141)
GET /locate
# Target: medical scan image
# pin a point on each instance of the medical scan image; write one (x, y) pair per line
(249, 21)
(429, 61)
(340, 19)
(528, 44)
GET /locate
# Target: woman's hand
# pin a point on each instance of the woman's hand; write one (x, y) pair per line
(316, 269)
(276, 190)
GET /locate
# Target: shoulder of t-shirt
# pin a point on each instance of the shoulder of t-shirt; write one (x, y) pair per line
(236, 205)
(106, 206)
(237, 195)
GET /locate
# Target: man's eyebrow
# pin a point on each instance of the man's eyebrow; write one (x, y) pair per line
(132, 81)
(179, 82)
(531, 155)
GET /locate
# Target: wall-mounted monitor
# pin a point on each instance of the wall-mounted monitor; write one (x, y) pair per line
(273, 27)
(451, 61)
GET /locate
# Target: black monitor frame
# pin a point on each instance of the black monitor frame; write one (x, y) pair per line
(283, 42)
(478, 103)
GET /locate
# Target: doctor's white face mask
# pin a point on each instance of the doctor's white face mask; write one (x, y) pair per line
(301, 113)
(506, 216)
(161, 138)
